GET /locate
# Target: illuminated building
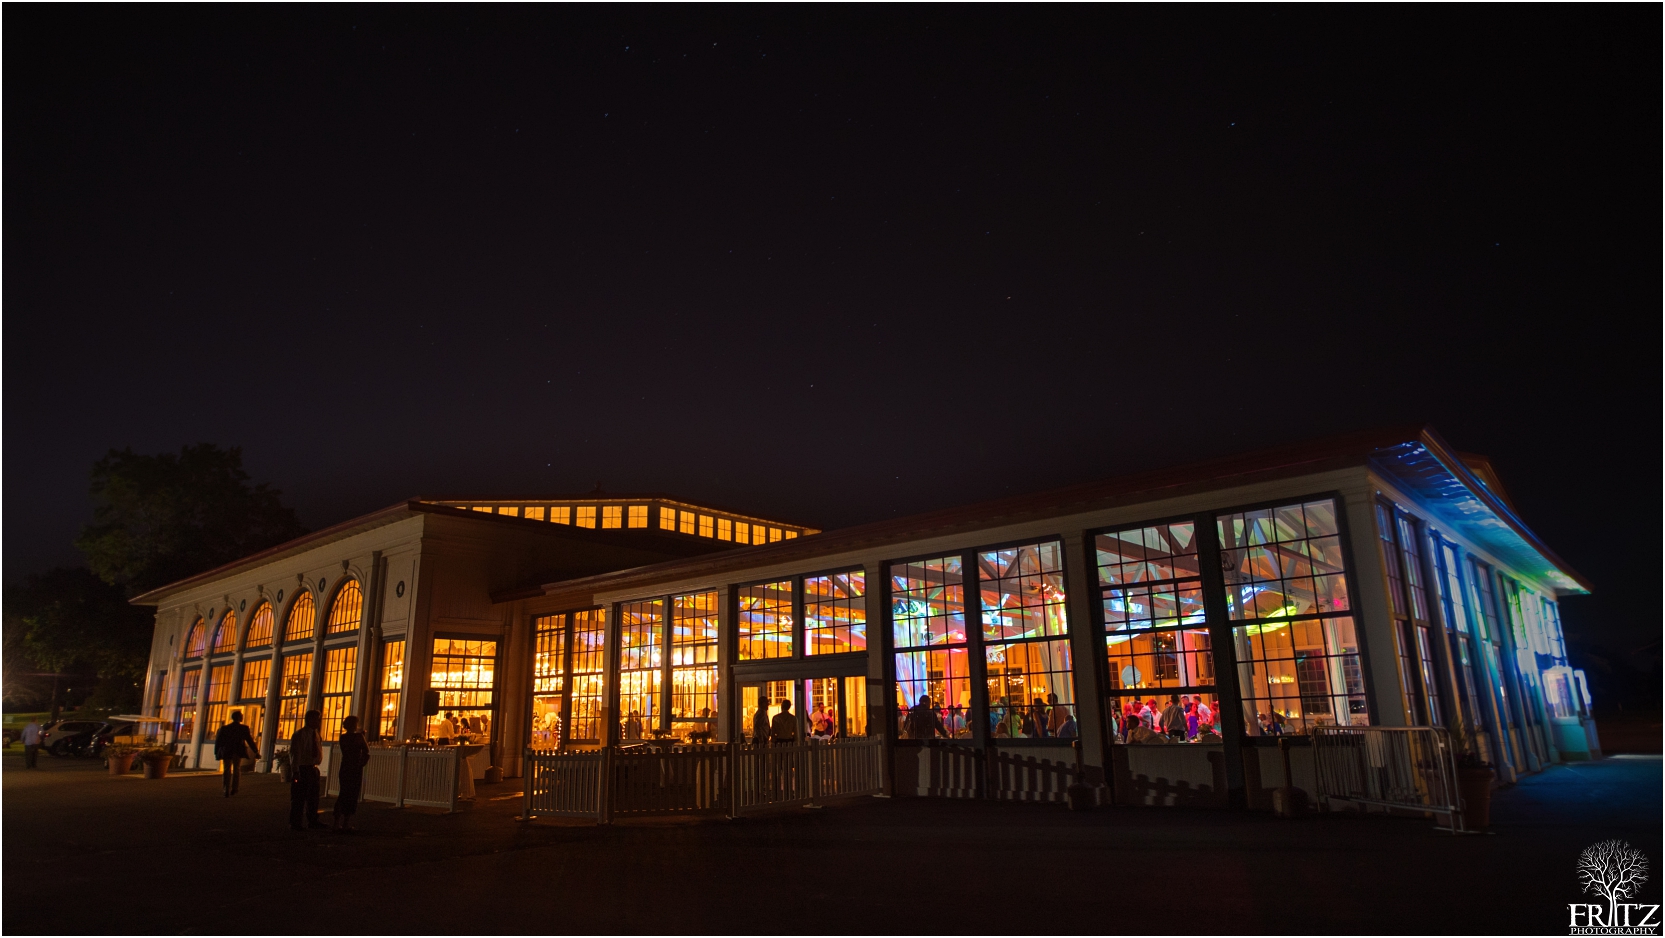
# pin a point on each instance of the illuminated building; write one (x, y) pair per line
(1379, 579)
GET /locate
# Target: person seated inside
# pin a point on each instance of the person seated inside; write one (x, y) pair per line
(1142, 734)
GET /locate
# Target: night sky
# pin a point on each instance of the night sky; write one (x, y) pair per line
(835, 264)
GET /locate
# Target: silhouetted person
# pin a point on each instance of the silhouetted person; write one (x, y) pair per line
(760, 724)
(306, 750)
(31, 745)
(232, 744)
(923, 722)
(783, 729)
(355, 755)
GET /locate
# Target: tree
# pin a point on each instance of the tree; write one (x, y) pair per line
(161, 518)
(68, 620)
(1614, 869)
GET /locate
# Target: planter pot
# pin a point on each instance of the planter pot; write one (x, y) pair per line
(121, 763)
(156, 767)
(1475, 785)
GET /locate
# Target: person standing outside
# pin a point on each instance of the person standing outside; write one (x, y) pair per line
(355, 755)
(760, 723)
(231, 743)
(783, 729)
(306, 751)
(31, 745)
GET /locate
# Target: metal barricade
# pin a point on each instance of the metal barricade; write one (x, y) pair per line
(563, 783)
(1406, 768)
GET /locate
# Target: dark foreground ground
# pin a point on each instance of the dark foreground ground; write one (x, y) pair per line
(87, 853)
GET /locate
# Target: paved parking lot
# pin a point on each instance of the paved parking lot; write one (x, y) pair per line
(174, 856)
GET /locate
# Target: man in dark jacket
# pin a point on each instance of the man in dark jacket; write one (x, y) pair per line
(232, 744)
(760, 723)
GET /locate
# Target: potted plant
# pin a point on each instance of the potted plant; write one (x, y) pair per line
(156, 760)
(1474, 783)
(120, 758)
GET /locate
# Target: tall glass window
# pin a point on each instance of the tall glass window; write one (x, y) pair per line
(765, 620)
(694, 631)
(297, 679)
(392, 688)
(549, 683)
(589, 674)
(340, 665)
(1292, 626)
(260, 628)
(185, 719)
(257, 674)
(933, 677)
(346, 609)
(1026, 648)
(1157, 643)
(641, 668)
(1448, 588)
(225, 636)
(835, 613)
(465, 674)
(219, 695)
(1408, 601)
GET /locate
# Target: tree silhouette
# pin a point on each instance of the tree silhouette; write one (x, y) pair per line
(1613, 869)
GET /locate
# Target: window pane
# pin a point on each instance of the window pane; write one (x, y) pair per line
(1296, 675)
(589, 641)
(464, 672)
(1031, 689)
(225, 636)
(928, 603)
(549, 654)
(195, 640)
(933, 693)
(302, 615)
(392, 683)
(1170, 659)
(347, 608)
(1022, 591)
(260, 627)
(765, 620)
(835, 613)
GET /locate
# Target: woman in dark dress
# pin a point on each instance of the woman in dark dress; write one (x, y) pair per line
(355, 754)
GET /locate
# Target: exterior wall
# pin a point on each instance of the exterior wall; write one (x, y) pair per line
(1531, 647)
(1352, 486)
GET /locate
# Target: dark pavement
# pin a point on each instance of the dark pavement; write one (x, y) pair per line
(172, 856)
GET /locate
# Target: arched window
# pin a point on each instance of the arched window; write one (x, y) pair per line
(194, 640)
(347, 607)
(260, 627)
(302, 617)
(225, 637)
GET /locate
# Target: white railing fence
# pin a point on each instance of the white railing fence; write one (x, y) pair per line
(721, 779)
(954, 770)
(1405, 768)
(416, 776)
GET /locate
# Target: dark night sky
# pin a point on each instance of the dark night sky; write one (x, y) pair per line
(834, 264)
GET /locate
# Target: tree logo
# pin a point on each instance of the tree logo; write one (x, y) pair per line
(1614, 871)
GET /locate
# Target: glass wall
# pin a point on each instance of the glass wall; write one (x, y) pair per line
(549, 680)
(933, 678)
(588, 676)
(641, 669)
(297, 679)
(185, 717)
(391, 688)
(1408, 603)
(195, 641)
(1448, 590)
(303, 616)
(694, 633)
(219, 699)
(257, 676)
(465, 674)
(340, 666)
(1292, 627)
(1157, 642)
(1026, 648)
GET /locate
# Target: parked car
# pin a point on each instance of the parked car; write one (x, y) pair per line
(69, 737)
(113, 731)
